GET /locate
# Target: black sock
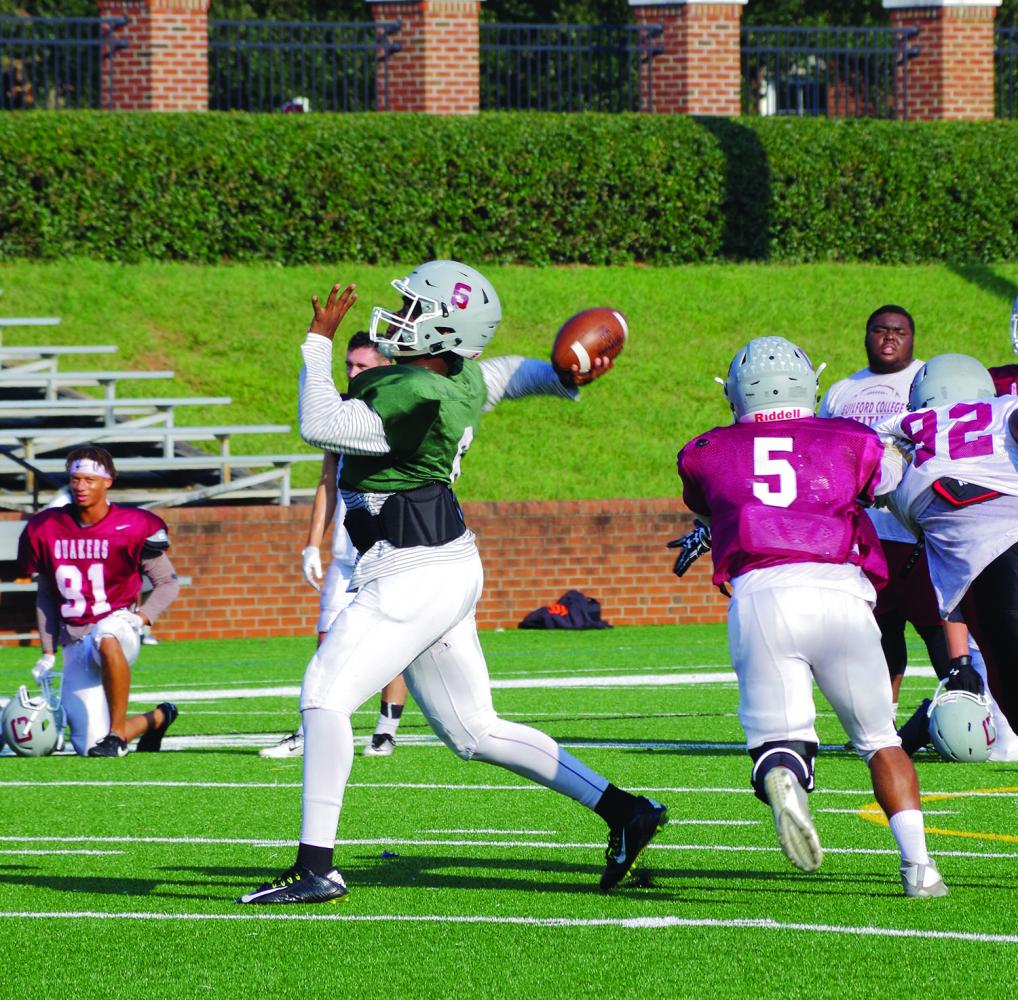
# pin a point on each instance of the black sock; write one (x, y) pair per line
(392, 711)
(316, 859)
(615, 806)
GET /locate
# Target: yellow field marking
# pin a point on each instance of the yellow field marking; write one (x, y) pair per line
(872, 813)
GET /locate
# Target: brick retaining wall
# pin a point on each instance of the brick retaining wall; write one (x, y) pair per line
(244, 565)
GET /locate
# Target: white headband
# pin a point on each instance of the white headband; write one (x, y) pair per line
(89, 468)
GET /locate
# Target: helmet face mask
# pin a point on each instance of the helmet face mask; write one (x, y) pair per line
(447, 306)
(961, 725)
(949, 378)
(771, 379)
(30, 726)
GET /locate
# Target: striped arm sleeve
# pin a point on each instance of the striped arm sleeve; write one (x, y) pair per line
(513, 377)
(328, 421)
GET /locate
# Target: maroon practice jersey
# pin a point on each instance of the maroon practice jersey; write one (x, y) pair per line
(96, 568)
(786, 492)
(1005, 379)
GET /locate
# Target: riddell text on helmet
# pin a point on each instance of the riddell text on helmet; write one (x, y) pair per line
(768, 416)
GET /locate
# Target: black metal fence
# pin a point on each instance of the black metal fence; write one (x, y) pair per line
(838, 72)
(57, 62)
(1005, 72)
(568, 67)
(300, 65)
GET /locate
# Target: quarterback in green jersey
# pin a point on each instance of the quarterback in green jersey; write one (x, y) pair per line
(403, 432)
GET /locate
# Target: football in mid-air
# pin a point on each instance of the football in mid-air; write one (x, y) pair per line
(599, 332)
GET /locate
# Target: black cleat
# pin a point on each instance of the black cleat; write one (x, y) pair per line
(110, 745)
(299, 885)
(915, 734)
(627, 841)
(151, 741)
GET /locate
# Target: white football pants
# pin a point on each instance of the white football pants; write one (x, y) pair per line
(782, 638)
(419, 622)
(81, 693)
(334, 596)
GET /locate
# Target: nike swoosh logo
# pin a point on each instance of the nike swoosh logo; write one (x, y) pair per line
(621, 856)
(120, 527)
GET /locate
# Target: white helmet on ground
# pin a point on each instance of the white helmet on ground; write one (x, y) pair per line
(447, 306)
(961, 725)
(29, 725)
(771, 376)
(949, 378)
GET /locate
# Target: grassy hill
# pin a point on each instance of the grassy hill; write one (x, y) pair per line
(235, 330)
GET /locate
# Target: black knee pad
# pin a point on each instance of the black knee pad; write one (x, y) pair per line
(797, 755)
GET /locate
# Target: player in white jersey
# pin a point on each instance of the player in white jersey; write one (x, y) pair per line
(328, 508)
(961, 491)
(880, 392)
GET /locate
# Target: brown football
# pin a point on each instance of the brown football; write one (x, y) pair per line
(589, 334)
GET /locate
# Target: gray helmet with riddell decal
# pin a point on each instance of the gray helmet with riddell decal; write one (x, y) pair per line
(950, 378)
(771, 373)
(447, 306)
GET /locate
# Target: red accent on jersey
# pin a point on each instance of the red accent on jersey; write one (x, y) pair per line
(1005, 379)
(95, 568)
(786, 492)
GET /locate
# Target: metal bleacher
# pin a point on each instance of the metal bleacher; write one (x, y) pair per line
(45, 410)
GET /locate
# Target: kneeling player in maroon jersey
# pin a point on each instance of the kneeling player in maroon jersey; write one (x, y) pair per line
(89, 558)
(783, 492)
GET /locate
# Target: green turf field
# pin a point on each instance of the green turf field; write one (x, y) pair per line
(119, 876)
(236, 331)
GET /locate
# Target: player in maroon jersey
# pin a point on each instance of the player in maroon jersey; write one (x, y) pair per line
(783, 493)
(89, 558)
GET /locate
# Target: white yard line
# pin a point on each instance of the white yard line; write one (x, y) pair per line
(629, 923)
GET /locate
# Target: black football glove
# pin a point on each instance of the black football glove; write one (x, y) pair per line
(690, 547)
(962, 676)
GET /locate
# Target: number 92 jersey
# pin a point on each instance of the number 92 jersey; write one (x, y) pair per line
(95, 568)
(786, 492)
(969, 441)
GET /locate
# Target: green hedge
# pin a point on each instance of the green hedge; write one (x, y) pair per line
(509, 187)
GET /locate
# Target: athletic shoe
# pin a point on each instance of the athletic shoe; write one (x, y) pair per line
(288, 746)
(625, 842)
(792, 821)
(381, 745)
(915, 734)
(299, 885)
(110, 745)
(921, 881)
(147, 638)
(151, 741)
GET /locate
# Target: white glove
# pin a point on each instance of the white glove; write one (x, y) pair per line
(135, 621)
(311, 564)
(43, 666)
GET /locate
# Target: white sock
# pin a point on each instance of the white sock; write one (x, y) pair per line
(328, 757)
(536, 756)
(388, 719)
(909, 832)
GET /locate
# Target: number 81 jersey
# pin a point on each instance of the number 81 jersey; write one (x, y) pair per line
(784, 492)
(95, 568)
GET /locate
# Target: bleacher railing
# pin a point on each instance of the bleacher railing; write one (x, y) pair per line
(57, 62)
(300, 65)
(835, 72)
(568, 67)
(1005, 72)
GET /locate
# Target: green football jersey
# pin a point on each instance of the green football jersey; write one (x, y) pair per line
(429, 422)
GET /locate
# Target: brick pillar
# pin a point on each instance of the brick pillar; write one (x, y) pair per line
(165, 66)
(698, 73)
(437, 69)
(952, 77)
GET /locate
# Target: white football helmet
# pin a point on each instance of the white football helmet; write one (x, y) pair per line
(949, 378)
(769, 374)
(447, 306)
(961, 725)
(1014, 325)
(29, 725)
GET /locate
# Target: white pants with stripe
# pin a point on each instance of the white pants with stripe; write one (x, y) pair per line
(782, 638)
(420, 622)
